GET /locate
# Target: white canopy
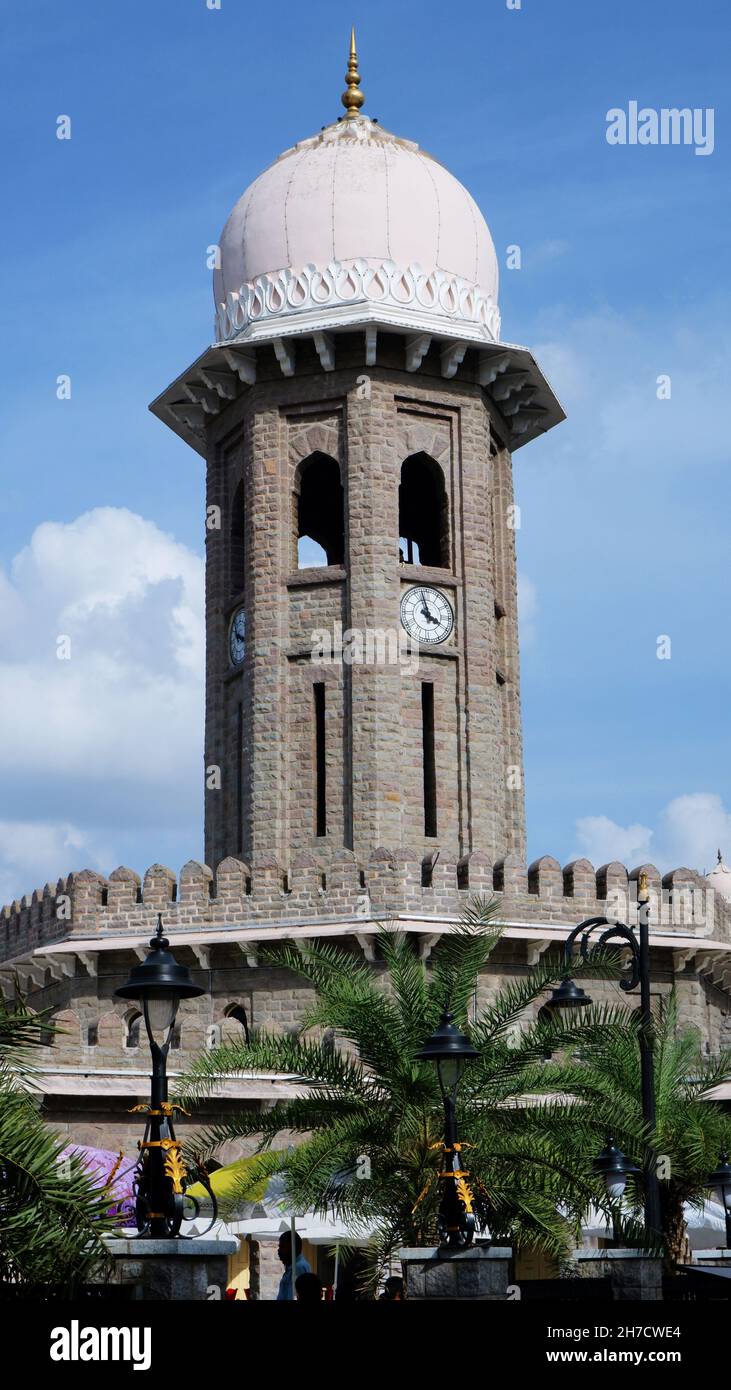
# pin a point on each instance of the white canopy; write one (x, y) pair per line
(704, 1227)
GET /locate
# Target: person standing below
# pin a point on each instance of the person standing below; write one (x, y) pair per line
(301, 1265)
(309, 1288)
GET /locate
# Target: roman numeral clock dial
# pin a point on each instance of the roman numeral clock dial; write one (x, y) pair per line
(237, 638)
(426, 614)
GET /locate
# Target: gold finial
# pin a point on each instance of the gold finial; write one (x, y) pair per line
(352, 98)
(643, 887)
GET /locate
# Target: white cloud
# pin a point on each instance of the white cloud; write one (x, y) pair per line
(545, 251)
(688, 832)
(601, 840)
(691, 828)
(110, 736)
(30, 845)
(605, 368)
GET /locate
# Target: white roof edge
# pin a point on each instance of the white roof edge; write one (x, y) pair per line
(367, 926)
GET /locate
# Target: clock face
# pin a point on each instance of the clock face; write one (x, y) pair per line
(426, 614)
(237, 638)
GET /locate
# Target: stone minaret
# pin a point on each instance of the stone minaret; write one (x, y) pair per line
(358, 414)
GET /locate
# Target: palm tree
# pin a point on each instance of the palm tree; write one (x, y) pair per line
(51, 1215)
(369, 1121)
(690, 1131)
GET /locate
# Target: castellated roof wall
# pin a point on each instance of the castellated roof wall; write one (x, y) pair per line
(339, 887)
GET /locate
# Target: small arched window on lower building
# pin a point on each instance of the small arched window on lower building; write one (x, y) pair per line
(132, 1022)
(423, 525)
(238, 1012)
(319, 524)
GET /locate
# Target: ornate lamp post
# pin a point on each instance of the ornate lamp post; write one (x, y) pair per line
(159, 984)
(720, 1181)
(569, 995)
(451, 1050)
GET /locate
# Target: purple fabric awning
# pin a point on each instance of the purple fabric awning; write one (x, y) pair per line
(101, 1164)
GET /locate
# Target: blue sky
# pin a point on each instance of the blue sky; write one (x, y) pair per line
(625, 508)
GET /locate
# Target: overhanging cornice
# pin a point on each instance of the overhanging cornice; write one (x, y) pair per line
(516, 389)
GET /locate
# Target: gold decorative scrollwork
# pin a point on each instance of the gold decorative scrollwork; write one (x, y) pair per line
(463, 1191)
(175, 1168)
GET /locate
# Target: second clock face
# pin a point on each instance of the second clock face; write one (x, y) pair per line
(426, 614)
(237, 638)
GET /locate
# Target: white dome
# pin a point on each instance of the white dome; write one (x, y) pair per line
(357, 216)
(719, 879)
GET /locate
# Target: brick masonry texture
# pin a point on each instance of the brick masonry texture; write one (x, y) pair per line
(259, 721)
(334, 884)
(386, 887)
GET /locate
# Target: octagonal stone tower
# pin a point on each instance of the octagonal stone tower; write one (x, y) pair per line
(358, 413)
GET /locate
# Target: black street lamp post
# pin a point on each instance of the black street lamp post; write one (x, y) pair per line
(451, 1050)
(569, 995)
(159, 984)
(720, 1182)
(614, 1167)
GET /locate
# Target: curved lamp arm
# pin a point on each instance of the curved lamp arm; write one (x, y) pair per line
(615, 931)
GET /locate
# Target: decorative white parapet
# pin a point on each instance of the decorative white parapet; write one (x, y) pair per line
(434, 298)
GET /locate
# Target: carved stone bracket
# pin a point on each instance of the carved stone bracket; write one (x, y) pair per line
(367, 945)
(285, 356)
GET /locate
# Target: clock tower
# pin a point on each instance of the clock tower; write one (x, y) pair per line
(358, 413)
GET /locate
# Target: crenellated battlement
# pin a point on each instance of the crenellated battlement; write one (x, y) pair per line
(337, 886)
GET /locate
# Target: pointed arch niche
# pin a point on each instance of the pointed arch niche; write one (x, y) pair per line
(423, 513)
(318, 512)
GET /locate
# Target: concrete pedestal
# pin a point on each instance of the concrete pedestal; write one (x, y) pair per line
(481, 1272)
(634, 1274)
(713, 1259)
(171, 1269)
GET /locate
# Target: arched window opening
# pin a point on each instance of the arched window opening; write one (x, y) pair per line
(132, 1022)
(423, 513)
(238, 1012)
(320, 528)
(237, 548)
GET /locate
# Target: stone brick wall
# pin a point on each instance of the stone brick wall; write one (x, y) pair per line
(338, 889)
(93, 1046)
(334, 884)
(259, 718)
(503, 529)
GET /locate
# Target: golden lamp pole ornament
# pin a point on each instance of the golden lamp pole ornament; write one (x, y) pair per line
(161, 1200)
(352, 98)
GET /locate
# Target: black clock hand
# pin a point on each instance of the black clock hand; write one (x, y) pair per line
(426, 611)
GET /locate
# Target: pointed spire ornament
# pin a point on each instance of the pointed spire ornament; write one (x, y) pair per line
(352, 98)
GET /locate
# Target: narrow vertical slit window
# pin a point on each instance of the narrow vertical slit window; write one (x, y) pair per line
(320, 765)
(237, 547)
(429, 759)
(240, 778)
